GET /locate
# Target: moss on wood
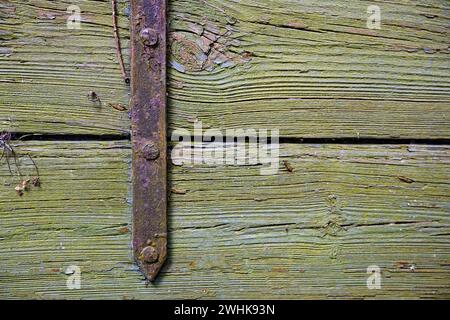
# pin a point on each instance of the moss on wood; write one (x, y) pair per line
(310, 233)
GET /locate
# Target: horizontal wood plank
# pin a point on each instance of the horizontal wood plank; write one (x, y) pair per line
(309, 233)
(310, 69)
(48, 71)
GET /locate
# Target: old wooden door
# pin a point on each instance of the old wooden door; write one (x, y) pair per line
(359, 91)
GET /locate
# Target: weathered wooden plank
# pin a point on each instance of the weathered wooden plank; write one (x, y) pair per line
(47, 70)
(310, 233)
(311, 69)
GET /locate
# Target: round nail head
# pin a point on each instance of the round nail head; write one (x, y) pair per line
(149, 36)
(149, 254)
(150, 151)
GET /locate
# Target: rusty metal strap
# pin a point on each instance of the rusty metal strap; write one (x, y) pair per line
(148, 86)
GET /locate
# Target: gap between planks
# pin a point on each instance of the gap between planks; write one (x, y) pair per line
(282, 140)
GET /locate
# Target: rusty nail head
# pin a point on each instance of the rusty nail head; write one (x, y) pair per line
(149, 254)
(149, 36)
(150, 151)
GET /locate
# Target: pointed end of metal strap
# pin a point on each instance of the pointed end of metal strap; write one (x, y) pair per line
(151, 259)
(151, 271)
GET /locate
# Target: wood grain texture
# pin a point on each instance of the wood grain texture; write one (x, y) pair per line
(48, 70)
(311, 69)
(310, 233)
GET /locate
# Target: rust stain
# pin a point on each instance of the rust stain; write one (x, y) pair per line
(405, 179)
(178, 190)
(118, 106)
(124, 230)
(405, 265)
(280, 269)
(288, 166)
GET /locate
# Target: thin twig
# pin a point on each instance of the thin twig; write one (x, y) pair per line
(9, 166)
(118, 46)
(15, 161)
(34, 164)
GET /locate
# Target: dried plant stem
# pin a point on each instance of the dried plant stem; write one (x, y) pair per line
(34, 164)
(118, 45)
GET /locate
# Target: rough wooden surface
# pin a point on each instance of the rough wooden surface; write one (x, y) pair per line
(47, 70)
(310, 233)
(311, 69)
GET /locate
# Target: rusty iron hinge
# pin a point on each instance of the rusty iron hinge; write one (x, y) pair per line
(148, 117)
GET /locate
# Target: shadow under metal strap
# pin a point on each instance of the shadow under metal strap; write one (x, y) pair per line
(148, 86)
